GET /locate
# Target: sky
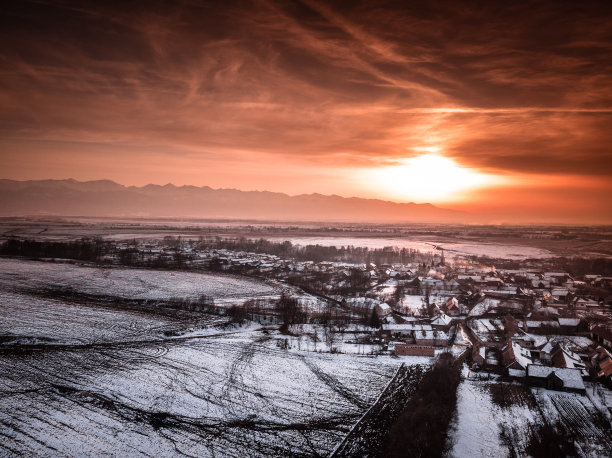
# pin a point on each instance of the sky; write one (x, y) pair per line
(502, 109)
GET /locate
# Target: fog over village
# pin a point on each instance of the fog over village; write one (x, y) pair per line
(305, 228)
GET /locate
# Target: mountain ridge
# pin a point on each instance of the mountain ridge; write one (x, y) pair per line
(70, 197)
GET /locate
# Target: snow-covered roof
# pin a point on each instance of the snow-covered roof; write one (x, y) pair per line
(556, 274)
(442, 320)
(521, 355)
(537, 324)
(571, 377)
(569, 321)
(406, 327)
(431, 335)
(516, 372)
(547, 348)
(452, 302)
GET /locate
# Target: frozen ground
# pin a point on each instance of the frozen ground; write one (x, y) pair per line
(26, 319)
(484, 428)
(84, 379)
(129, 283)
(232, 395)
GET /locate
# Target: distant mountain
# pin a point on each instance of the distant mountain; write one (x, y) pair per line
(107, 198)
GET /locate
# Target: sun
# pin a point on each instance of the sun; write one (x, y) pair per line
(428, 178)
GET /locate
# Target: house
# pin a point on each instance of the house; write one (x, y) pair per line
(585, 304)
(602, 335)
(403, 330)
(603, 282)
(452, 306)
(554, 378)
(546, 326)
(556, 277)
(562, 357)
(569, 325)
(441, 322)
(516, 357)
(431, 338)
(478, 357)
(559, 294)
(383, 310)
(543, 353)
(601, 360)
(414, 350)
(493, 281)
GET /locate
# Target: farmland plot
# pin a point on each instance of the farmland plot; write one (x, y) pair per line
(129, 283)
(498, 419)
(232, 396)
(580, 416)
(83, 379)
(32, 320)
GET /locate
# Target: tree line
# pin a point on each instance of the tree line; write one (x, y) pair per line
(318, 253)
(85, 249)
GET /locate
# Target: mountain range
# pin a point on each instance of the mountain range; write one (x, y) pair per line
(107, 198)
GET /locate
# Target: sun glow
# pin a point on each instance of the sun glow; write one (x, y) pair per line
(428, 178)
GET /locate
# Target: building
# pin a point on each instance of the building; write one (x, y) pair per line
(431, 338)
(414, 350)
(554, 378)
(452, 307)
(441, 322)
(383, 310)
(601, 361)
(602, 335)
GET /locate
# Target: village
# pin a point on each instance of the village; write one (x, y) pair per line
(548, 329)
(509, 351)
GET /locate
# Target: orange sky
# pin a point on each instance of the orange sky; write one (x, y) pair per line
(334, 98)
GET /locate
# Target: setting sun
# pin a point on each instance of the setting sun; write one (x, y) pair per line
(428, 178)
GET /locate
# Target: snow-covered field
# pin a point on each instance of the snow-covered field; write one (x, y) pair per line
(129, 283)
(235, 395)
(84, 379)
(27, 319)
(484, 428)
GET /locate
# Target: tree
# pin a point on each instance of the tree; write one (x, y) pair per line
(374, 320)
(289, 311)
(398, 293)
(510, 326)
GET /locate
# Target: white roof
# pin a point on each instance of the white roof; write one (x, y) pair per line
(521, 356)
(431, 335)
(384, 306)
(407, 327)
(569, 321)
(516, 372)
(547, 348)
(537, 324)
(571, 377)
(442, 320)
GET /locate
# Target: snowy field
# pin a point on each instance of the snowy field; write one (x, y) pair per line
(84, 379)
(484, 428)
(26, 319)
(129, 283)
(234, 395)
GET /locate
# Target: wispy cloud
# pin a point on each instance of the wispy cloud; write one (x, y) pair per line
(506, 88)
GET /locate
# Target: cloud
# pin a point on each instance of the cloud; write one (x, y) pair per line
(507, 88)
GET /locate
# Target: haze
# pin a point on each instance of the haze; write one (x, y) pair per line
(502, 109)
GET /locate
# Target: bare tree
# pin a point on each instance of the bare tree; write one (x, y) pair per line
(290, 312)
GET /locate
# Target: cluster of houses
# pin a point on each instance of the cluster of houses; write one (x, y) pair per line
(544, 327)
(538, 327)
